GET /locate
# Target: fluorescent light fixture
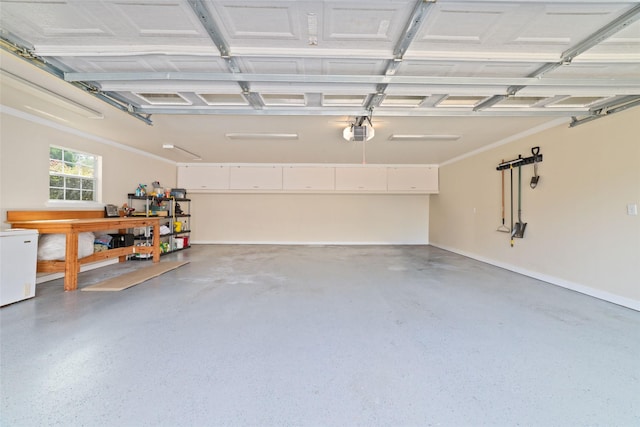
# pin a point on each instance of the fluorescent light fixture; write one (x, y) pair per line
(421, 137)
(49, 96)
(181, 150)
(44, 113)
(258, 135)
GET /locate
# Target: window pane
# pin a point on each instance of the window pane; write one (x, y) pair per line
(70, 168)
(56, 166)
(56, 181)
(72, 195)
(56, 194)
(87, 184)
(86, 171)
(72, 182)
(55, 153)
(87, 195)
(70, 156)
(86, 160)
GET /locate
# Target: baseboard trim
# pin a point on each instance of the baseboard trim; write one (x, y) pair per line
(308, 243)
(577, 287)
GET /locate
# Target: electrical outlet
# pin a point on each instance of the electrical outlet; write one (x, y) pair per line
(632, 209)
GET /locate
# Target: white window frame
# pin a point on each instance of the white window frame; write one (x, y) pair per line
(97, 203)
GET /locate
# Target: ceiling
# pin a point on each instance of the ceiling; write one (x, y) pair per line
(277, 81)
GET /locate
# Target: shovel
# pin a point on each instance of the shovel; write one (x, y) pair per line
(520, 226)
(535, 178)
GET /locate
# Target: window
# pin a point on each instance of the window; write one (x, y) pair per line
(73, 175)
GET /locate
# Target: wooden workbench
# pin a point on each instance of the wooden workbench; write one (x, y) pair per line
(72, 228)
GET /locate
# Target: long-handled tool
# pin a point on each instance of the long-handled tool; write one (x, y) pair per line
(511, 199)
(503, 228)
(520, 226)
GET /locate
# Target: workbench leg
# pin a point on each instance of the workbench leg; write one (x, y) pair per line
(156, 243)
(71, 264)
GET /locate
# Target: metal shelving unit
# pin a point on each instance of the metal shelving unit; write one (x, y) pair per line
(177, 211)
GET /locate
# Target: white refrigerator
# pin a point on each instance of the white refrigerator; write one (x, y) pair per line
(18, 258)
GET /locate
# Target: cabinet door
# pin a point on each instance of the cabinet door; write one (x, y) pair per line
(414, 179)
(205, 177)
(361, 178)
(308, 178)
(255, 178)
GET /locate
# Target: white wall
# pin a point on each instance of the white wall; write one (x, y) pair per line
(578, 234)
(310, 218)
(217, 218)
(24, 159)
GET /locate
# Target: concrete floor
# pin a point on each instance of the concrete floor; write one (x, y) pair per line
(319, 335)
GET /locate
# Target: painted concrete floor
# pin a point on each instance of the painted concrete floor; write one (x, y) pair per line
(319, 335)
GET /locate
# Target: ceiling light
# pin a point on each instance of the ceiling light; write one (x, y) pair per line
(44, 113)
(181, 150)
(259, 135)
(420, 137)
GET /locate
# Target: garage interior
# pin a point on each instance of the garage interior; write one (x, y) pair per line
(336, 305)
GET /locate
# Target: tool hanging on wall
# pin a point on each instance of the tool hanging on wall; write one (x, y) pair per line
(503, 228)
(518, 231)
(511, 199)
(535, 178)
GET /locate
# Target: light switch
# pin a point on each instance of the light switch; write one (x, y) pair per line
(632, 209)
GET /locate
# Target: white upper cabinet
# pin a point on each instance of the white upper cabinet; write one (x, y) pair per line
(320, 178)
(361, 178)
(308, 178)
(422, 179)
(203, 177)
(255, 178)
